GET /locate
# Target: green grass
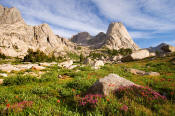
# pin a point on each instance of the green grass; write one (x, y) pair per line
(53, 96)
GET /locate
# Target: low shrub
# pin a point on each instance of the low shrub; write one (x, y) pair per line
(125, 52)
(19, 80)
(142, 95)
(39, 56)
(2, 56)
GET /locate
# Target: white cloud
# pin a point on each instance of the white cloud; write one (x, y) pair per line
(144, 18)
(141, 35)
(68, 14)
(139, 14)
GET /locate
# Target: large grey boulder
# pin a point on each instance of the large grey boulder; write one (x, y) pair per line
(109, 84)
(137, 55)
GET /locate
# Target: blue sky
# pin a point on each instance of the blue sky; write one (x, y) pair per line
(149, 22)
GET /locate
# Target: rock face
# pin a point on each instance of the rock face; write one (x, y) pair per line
(16, 37)
(117, 37)
(81, 38)
(9, 15)
(162, 48)
(109, 84)
(137, 55)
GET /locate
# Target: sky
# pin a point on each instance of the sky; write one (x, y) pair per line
(149, 22)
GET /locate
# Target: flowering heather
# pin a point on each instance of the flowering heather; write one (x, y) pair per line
(20, 106)
(124, 108)
(89, 99)
(136, 92)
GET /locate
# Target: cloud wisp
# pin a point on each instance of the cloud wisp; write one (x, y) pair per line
(145, 19)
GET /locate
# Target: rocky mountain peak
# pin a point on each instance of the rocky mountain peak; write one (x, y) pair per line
(81, 38)
(9, 15)
(16, 37)
(118, 37)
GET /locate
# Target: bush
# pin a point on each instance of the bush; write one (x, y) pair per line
(96, 55)
(112, 52)
(81, 58)
(19, 80)
(2, 56)
(38, 56)
(125, 52)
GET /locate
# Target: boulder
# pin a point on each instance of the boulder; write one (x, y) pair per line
(72, 67)
(117, 58)
(3, 75)
(47, 64)
(98, 64)
(88, 61)
(137, 55)
(38, 68)
(1, 81)
(109, 84)
(142, 73)
(136, 71)
(8, 68)
(66, 64)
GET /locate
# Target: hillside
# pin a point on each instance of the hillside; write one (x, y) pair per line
(58, 90)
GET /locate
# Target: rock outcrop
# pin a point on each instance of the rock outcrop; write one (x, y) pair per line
(16, 37)
(162, 48)
(117, 37)
(109, 84)
(9, 15)
(81, 38)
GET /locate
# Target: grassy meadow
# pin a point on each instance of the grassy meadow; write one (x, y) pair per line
(51, 96)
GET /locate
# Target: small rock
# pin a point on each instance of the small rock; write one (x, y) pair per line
(66, 64)
(73, 66)
(3, 75)
(152, 73)
(136, 71)
(60, 76)
(1, 81)
(38, 67)
(88, 61)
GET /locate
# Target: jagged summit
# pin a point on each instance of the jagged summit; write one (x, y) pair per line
(116, 37)
(16, 37)
(10, 15)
